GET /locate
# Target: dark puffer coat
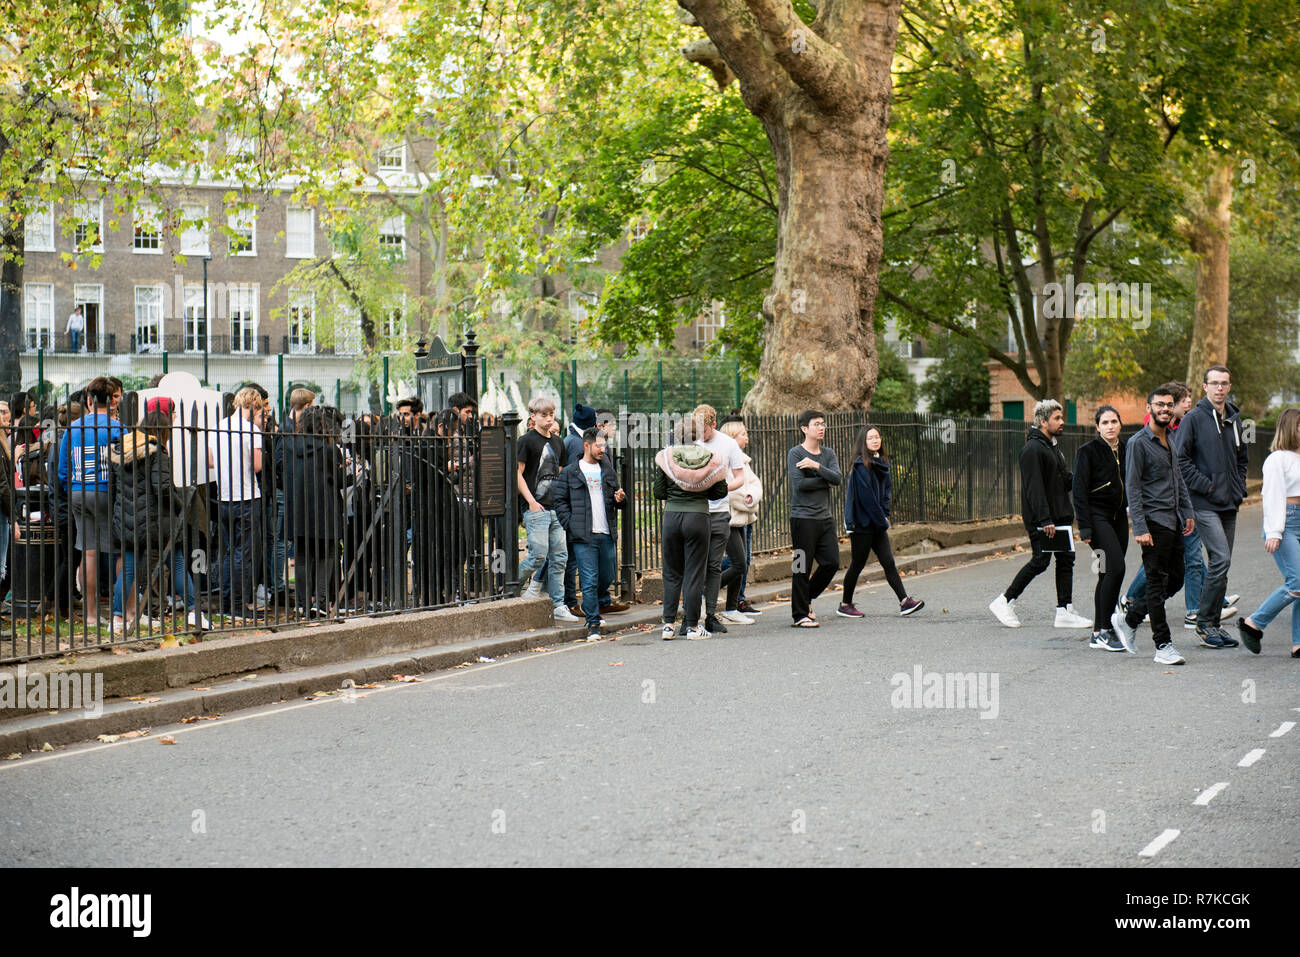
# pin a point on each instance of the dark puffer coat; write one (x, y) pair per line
(314, 494)
(147, 508)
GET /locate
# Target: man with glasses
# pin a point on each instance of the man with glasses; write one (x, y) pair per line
(1212, 455)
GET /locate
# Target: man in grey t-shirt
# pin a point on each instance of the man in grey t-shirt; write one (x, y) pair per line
(812, 470)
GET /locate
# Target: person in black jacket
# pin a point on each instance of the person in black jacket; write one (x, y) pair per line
(586, 499)
(147, 515)
(866, 516)
(316, 512)
(1212, 456)
(1045, 507)
(1100, 505)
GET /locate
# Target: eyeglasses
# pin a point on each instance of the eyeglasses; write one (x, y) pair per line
(1162, 405)
(1219, 385)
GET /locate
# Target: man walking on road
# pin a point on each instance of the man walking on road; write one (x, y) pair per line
(1159, 509)
(725, 447)
(1213, 457)
(812, 470)
(1045, 483)
(541, 456)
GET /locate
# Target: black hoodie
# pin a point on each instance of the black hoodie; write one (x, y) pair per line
(1212, 456)
(1044, 483)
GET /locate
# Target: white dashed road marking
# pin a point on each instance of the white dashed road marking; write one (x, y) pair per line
(1282, 729)
(1208, 795)
(1158, 845)
(1251, 758)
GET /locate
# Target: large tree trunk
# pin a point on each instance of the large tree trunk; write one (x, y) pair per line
(1207, 233)
(822, 91)
(11, 307)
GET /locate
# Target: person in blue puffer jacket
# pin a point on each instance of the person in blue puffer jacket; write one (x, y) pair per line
(866, 515)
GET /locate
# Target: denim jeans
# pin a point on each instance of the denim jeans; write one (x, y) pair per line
(1216, 530)
(5, 531)
(596, 566)
(182, 584)
(546, 544)
(76, 340)
(1193, 575)
(240, 527)
(1287, 557)
(276, 550)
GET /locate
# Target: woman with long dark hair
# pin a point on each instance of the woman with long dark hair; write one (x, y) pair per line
(1099, 507)
(866, 515)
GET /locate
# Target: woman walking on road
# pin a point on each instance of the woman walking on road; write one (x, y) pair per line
(866, 515)
(687, 478)
(1281, 532)
(1099, 506)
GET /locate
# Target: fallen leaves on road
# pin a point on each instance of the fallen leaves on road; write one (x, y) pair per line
(200, 717)
(410, 678)
(12, 757)
(143, 732)
(169, 641)
(108, 738)
(541, 648)
(200, 689)
(166, 739)
(372, 684)
(47, 746)
(141, 697)
(319, 694)
(616, 664)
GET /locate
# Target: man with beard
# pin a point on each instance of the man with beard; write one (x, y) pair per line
(1159, 508)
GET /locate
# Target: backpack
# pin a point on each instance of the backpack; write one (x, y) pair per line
(548, 473)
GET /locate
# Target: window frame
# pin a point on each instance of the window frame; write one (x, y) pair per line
(28, 327)
(188, 232)
(48, 217)
(235, 342)
(81, 220)
(141, 215)
(161, 290)
(235, 220)
(297, 300)
(310, 252)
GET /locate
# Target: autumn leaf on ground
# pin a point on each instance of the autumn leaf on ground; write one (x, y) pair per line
(408, 678)
(12, 757)
(371, 685)
(108, 738)
(319, 694)
(119, 651)
(616, 664)
(541, 648)
(170, 641)
(200, 689)
(137, 734)
(200, 717)
(47, 746)
(166, 739)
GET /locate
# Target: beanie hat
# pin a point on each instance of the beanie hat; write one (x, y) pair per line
(584, 416)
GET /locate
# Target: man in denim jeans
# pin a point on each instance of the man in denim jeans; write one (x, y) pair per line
(1212, 455)
(235, 451)
(541, 456)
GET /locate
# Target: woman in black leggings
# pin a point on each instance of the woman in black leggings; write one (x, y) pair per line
(866, 514)
(1099, 506)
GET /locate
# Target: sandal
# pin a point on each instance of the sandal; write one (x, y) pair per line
(806, 622)
(1295, 651)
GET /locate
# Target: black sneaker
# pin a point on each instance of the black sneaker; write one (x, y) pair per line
(1208, 638)
(713, 625)
(910, 606)
(1250, 636)
(1227, 639)
(746, 608)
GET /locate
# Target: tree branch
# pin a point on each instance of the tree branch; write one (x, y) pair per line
(734, 33)
(819, 69)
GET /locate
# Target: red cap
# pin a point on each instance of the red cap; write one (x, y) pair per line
(159, 404)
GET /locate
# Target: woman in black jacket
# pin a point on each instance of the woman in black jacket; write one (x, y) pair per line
(1099, 506)
(148, 516)
(316, 487)
(866, 515)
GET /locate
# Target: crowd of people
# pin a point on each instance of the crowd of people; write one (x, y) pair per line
(1179, 482)
(157, 518)
(154, 519)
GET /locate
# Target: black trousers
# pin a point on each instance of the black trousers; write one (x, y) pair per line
(813, 540)
(1038, 564)
(864, 543)
(1109, 546)
(734, 576)
(686, 556)
(1163, 563)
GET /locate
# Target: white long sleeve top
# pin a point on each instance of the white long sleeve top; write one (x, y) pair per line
(1281, 480)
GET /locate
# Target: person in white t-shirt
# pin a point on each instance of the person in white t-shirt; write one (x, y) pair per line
(76, 327)
(725, 447)
(235, 451)
(587, 493)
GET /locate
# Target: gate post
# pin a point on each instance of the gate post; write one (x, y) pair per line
(469, 365)
(510, 540)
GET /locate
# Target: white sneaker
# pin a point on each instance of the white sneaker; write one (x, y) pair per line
(563, 614)
(534, 589)
(260, 599)
(594, 636)
(697, 634)
(736, 618)
(1168, 655)
(670, 632)
(1067, 617)
(1004, 612)
(197, 619)
(1121, 628)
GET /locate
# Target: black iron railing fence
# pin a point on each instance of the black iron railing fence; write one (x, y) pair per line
(215, 526)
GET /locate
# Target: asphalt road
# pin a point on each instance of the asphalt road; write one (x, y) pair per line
(769, 746)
